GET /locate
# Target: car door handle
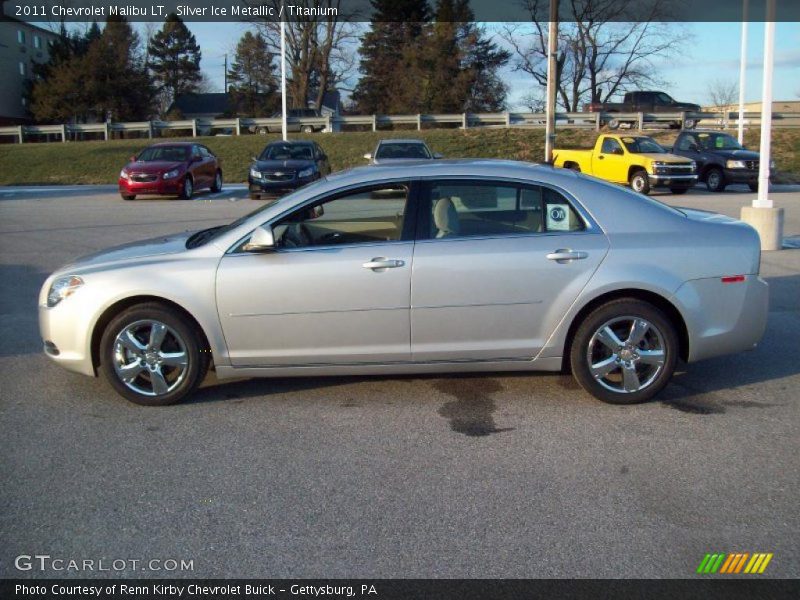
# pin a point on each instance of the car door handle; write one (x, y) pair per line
(380, 262)
(563, 255)
(601, 157)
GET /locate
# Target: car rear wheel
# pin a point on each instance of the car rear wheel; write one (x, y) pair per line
(255, 196)
(624, 352)
(128, 196)
(613, 123)
(640, 182)
(308, 129)
(217, 185)
(690, 123)
(152, 355)
(187, 188)
(715, 180)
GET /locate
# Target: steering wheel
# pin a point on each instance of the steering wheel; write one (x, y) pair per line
(297, 236)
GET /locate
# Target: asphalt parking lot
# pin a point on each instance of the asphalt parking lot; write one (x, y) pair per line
(490, 476)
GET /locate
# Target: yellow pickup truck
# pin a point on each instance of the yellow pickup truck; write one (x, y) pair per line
(635, 160)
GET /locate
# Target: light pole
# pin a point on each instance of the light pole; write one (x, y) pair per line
(283, 78)
(742, 71)
(762, 215)
(552, 50)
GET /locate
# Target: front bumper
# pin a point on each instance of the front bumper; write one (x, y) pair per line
(672, 180)
(741, 176)
(269, 186)
(723, 318)
(160, 187)
(65, 334)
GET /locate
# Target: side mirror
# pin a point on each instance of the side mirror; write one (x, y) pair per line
(254, 159)
(132, 158)
(261, 240)
(368, 156)
(438, 155)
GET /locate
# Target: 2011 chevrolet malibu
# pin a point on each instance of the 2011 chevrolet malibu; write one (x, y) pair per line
(439, 266)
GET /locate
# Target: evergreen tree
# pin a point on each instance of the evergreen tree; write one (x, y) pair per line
(174, 59)
(252, 82)
(387, 52)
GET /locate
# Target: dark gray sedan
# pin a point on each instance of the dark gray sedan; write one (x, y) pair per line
(285, 166)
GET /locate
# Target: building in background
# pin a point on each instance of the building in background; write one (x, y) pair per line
(778, 106)
(21, 45)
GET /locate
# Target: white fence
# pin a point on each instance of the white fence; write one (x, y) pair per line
(237, 126)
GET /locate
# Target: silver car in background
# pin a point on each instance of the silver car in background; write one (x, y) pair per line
(392, 151)
(441, 266)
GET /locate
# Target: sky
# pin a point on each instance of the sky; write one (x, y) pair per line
(712, 53)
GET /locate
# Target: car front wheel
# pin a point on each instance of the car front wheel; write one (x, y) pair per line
(640, 182)
(128, 196)
(187, 189)
(715, 180)
(217, 185)
(153, 355)
(624, 352)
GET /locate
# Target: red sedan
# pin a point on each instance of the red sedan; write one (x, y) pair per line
(172, 168)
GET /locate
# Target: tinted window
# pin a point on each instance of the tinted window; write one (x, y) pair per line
(205, 152)
(460, 209)
(686, 142)
(369, 215)
(611, 146)
(286, 152)
(410, 151)
(640, 145)
(166, 153)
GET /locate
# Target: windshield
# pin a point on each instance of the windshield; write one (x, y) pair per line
(718, 141)
(286, 152)
(164, 153)
(206, 235)
(641, 145)
(401, 150)
(663, 98)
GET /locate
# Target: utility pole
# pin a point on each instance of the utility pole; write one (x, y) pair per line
(762, 215)
(226, 73)
(283, 78)
(742, 72)
(552, 51)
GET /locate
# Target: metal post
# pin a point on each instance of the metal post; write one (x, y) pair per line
(194, 127)
(552, 50)
(766, 109)
(374, 122)
(284, 128)
(105, 131)
(63, 133)
(150, 129)
(464, 121)
(597, 121)
(640, 122)
(238, 126)
(419, 122)
(19, 134)
(742, 71)
(508, 119)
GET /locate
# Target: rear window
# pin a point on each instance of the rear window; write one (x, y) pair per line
(395, 150)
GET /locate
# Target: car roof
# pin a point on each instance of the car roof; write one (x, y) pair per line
(292, 143)
(174, 144)
(401, 141)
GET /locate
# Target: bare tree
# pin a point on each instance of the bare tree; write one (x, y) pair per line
(722, 93)
(605, 48)
(534, 100)
(319, 50)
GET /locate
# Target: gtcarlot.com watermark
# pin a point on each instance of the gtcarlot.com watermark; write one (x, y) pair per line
(46, 562)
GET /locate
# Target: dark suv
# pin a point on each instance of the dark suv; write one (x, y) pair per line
(297, 113)
(720, 159)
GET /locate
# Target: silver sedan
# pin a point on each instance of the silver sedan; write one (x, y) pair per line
(444, 266)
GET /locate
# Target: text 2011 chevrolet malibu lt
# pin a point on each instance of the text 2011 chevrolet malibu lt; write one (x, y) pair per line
(440, 266)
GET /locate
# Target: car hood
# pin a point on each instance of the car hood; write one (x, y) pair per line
(170, 244)
(735, 154)
(394, 161)
(152, 167)
(665, 157)
(294, 164)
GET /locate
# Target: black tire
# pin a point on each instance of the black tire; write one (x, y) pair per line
(574, 167)
(586, 344)
(128, 196)
(308, 129)
(187, 189)
(640, 182)
(217, 185)
(690, 123)
(196, 352)
(753, 187)
(715, 180)
(255, 196)
(613, 123)
(678, 190)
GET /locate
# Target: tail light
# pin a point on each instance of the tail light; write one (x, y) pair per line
(733, 279)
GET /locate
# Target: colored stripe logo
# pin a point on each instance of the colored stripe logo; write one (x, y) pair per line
(734, 563)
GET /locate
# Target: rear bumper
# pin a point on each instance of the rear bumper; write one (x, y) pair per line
(161, 187)
(723, 318)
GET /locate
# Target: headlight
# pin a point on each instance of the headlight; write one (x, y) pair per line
(255, 174)
(306, 172)
(735, 164)
(124, 174)
(693, 166)
(61, 288)
(171, 174)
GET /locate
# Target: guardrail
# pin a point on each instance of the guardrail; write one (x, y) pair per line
(236, 126)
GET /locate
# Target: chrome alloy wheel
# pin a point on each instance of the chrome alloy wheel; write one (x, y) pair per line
(150, 358)
(626, 354)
